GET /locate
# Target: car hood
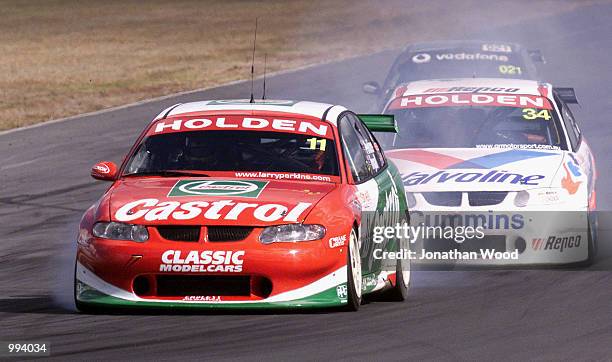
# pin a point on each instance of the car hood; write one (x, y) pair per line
(476, 169)
(213, 201)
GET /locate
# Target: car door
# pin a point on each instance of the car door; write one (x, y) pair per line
(392, 209)
(377, 189)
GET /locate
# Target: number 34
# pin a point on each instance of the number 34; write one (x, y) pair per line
(532, 113)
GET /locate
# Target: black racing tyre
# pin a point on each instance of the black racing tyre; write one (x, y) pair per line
(399, 292)
(86, 308)
(353, 266)
(80, 306)
(592, 248)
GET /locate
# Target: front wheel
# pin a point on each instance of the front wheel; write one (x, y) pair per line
(592, 251)
(353, 273)
(80, 306)
(399, 291)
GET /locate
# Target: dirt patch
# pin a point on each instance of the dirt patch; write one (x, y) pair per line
(61, 58)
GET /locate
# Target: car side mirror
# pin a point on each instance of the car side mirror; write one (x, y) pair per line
(536, 55)
(371, 87)
(105, 171)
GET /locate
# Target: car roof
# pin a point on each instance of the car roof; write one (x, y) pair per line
(454, 44)
(306, 108)
(480, 56)
(527, 87)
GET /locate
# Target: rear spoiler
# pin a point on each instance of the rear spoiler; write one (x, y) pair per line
(379, 122)
(567, 95)
(536, 55)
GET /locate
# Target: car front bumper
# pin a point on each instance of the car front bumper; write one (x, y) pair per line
(128, 274)
(528, 238)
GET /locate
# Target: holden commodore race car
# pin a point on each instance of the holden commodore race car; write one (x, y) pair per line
(503, 155)
(457, 59)
(232, 204)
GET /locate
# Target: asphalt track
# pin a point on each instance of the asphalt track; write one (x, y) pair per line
(510, 314)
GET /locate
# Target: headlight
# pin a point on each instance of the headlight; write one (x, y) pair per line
(521, 199)
(291, 233)
(120, 231)
(544, 196)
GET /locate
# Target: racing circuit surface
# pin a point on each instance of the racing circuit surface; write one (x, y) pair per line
(500, 314)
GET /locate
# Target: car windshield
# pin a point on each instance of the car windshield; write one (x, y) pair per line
(234, 151)
(475, 127)
(454, 63)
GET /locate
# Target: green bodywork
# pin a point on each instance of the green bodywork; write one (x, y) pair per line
(390, 185)
(380, 122)
(325, 299)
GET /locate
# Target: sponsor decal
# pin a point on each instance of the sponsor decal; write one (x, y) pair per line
(287, 176)
(365, 199)
(337, 241)
(368, 281)
(455, 225)
(497, 48)
(387, 212)
(206, 261)
(556, 243)
(102, 168)
(490, 161)
(239, 123)
(528, 146)
(573, 166)
(440, 177)
(250, 189)
(471, 90)
(202, 298)
(470, 99)
(472, 56)
(536, 243)
(421, 58)
(567, 182)
(153, 210)
(341, 291)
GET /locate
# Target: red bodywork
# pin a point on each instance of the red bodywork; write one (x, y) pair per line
(272, 268)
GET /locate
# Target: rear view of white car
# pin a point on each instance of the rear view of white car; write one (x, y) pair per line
(504, 155)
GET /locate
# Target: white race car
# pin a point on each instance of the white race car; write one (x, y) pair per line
(503, 155)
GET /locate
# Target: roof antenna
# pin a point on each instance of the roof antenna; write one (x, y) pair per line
(253, 63)
(264, 76)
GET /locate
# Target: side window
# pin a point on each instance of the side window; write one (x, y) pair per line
(373, 152)
(572, 120)
(378, 152)
(573, 131)
(392, 79)
(354, 150)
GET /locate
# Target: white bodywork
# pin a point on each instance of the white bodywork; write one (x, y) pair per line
(312, 109)
(537, 200)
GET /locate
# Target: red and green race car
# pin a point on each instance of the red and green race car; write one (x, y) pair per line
(233, 204)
